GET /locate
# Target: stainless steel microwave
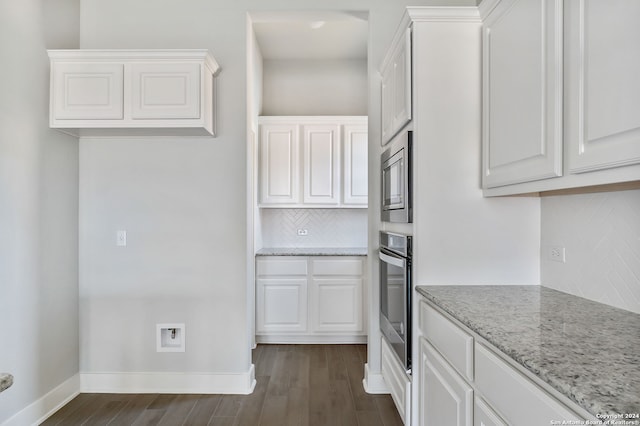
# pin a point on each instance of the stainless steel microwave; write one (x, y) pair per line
(396, 172)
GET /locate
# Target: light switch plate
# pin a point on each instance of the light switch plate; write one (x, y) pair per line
(121, 238)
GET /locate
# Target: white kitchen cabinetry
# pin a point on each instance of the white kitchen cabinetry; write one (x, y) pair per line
(355, 184)
(321, 164)
(560, 92)
(445, 398)
(522, 85)
(396, 88)
(313, 162)
(279, 164)
(310, 299)
(132, 92)
(397, 380)
(458, 386)
(603, 89)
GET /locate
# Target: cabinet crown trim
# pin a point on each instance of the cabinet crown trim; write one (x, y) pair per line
(130, 55)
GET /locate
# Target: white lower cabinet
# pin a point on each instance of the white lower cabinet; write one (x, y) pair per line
(309, 299)
(397, 380)
(445, 398)
(491, 393)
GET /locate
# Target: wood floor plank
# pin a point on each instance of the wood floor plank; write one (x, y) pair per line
(132, 410)
(274, 412)
(203, 410)
(73, 405)
(251, 408)
(179, 410)
(297, 385)
(298, 407)
(387, 411)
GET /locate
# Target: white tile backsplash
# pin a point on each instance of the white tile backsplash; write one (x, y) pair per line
(601, 234)
(326, 227)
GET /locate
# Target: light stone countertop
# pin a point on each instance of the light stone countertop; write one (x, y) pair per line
(6, 380)
(312, 251)
(588, 351)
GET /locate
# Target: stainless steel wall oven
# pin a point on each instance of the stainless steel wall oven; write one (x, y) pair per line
(395, 294)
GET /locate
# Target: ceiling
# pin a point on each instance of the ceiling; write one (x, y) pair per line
(311, 35)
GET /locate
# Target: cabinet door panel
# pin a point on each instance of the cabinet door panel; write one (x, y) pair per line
(483, 415)
(445, 398)
(281, 304)
(279, 164)
(355, 180)
(85, 91)
(321, 164)
(165, 91)
(337, 304)
(522, 92)
(602, 84)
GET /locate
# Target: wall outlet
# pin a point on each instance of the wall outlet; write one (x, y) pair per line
(303, 232)
(121, 238)
(557, 254)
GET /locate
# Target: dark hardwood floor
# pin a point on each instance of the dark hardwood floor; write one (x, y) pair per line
(314, 385)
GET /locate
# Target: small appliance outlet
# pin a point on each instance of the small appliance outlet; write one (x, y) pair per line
(170, 338)
(557, 254)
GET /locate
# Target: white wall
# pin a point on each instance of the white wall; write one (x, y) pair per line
(38, 213)
(601, 235)
(315, 87)
(183, 195)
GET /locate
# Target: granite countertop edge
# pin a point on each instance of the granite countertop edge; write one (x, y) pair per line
(312, 251)
(595, 398)
(6, 380)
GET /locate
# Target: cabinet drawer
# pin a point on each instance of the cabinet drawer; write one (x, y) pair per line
(344, 266)
(517, 399)
(452, 342)
(282, 266)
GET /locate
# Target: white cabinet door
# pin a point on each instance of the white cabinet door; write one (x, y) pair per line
(281, 304)
(165, 90)
(87, 91)
(396, 88)
(279, 164)
(483, 415)
(445, 398)
(355, 189)
(321, 164)
(602, 62)
(336, 304)
(522, 92)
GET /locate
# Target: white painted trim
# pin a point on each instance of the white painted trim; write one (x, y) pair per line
(335, 339)
(39, 410)
(159, 382)
(374, 382)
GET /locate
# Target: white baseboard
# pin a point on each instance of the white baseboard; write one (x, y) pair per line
(374, 382)
(286, 339)
(38, 411)
(152, 382)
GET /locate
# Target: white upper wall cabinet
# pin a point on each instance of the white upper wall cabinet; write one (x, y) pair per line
(313, 161)
(396, 88)
(355, 182)
(522, 84)
(321, 164)
(602, 84)
(560, 94)
(132, 92)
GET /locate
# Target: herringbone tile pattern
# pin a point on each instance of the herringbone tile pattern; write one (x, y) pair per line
(326, 227)
(601, 234)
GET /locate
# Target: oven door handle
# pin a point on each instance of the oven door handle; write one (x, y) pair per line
(395, 261)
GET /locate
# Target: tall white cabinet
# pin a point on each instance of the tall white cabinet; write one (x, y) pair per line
(396, 87)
